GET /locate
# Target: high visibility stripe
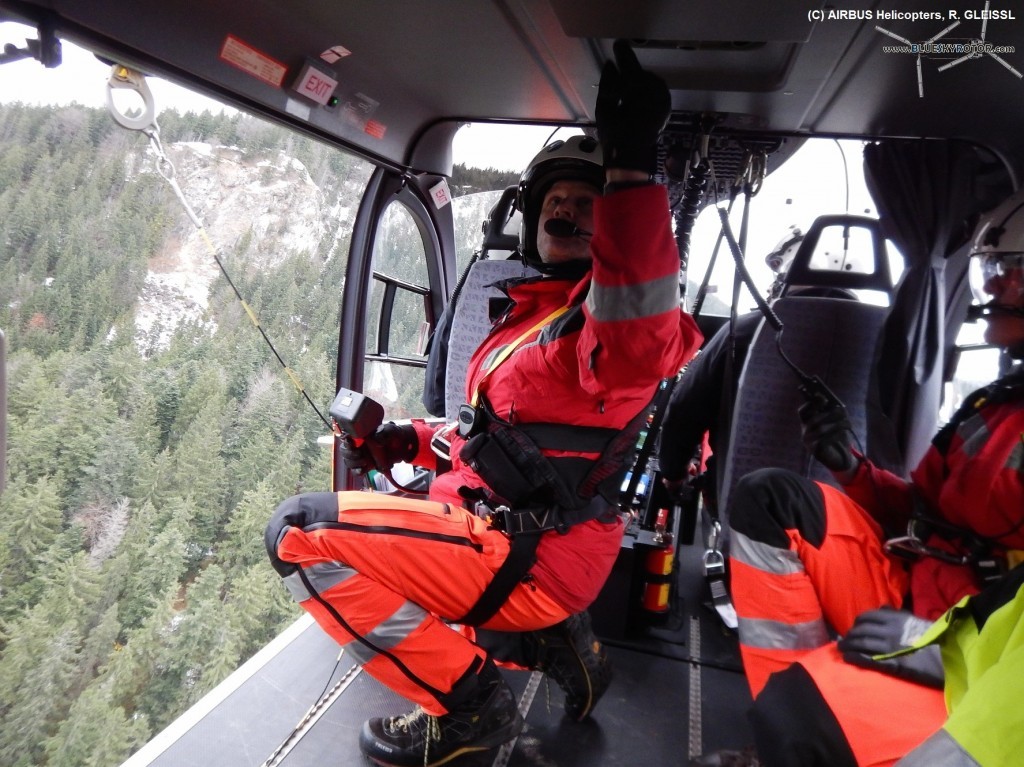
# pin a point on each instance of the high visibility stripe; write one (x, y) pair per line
(939, 748)
(364, 643)
(775, 635)
(612, 303)
(761, 556)
(389, 633)
(974, 433)
(1015, 460)
(321, 576)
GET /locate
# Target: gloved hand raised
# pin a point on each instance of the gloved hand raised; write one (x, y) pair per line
(632, 110)
(827, 434)
(882, 631)
(384, 448)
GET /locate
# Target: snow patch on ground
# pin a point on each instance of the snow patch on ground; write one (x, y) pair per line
(272, 201)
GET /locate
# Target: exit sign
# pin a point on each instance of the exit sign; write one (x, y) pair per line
(314, 83)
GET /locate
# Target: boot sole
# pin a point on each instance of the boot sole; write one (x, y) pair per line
(597, 686)
(597, 683)
(493, 739)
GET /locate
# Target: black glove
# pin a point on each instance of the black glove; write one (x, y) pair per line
(882, 631)
(827, 434)
(384, 448)
(632, 110)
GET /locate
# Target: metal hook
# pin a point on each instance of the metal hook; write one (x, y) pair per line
(757, 170)
(129, 79)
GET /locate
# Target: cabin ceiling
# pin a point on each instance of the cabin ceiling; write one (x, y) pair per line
(414, 69)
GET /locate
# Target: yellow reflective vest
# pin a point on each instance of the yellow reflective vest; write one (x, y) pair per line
(982, 642)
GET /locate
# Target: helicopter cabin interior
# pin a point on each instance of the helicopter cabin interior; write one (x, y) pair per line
(927, 98)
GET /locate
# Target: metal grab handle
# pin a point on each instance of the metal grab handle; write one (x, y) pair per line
(121, 77)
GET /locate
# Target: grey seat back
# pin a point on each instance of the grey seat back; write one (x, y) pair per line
(834, 339)
(471, 323)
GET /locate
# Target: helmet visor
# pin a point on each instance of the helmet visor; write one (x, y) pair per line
(986, 268)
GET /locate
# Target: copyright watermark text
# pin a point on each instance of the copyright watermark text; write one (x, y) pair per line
(841, 14)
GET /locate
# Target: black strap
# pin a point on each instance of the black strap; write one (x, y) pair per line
(1005, 389)
(519, 561)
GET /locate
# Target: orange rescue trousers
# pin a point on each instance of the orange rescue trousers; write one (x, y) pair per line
(805, 561)
(381, 574)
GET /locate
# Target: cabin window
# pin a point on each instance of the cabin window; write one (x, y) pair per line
(811, 183)
(977, 364)
(397, 326)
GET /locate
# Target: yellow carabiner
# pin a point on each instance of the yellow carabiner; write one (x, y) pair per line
(130, 79)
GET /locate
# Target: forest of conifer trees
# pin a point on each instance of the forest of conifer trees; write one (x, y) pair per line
(132, 572)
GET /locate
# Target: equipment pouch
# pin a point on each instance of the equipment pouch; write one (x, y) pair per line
(484, 456)
(515, 469)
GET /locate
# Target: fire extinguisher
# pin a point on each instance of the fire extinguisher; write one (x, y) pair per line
(658, 566)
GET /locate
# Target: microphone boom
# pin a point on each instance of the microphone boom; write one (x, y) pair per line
(561, 227)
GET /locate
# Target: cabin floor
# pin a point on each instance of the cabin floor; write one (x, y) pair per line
(677, 691)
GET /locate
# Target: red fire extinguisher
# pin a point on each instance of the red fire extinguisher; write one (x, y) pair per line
(658, 566)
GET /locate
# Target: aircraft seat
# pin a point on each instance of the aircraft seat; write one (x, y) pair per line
(833, 338)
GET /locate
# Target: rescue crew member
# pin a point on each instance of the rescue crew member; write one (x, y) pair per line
(809, 562)
(565, 374)
(982, 647)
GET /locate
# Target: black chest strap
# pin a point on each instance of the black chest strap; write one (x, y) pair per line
(1006, 389)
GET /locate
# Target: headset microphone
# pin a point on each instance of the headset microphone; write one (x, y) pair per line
(977, 312)
(563, 227)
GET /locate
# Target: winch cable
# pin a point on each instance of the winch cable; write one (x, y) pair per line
(123, 77)
(313, 714)
(809, 384)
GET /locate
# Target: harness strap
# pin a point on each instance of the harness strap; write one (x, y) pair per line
(521, 557)
(1006, 389)
(506, 352)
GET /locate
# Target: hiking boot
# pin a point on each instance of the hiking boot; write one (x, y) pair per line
(488, 719)
(745, 758)
(570, 654)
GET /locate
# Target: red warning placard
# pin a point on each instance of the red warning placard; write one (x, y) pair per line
(252, 61)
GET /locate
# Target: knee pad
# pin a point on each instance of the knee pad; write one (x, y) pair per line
(298, 511)
(768, 502)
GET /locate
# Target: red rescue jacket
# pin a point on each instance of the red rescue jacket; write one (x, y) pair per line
(976, 482)
(596, 367)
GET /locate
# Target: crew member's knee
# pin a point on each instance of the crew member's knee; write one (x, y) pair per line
(298, 511)
(768, 502)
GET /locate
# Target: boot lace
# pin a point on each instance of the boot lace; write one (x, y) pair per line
(418, 723)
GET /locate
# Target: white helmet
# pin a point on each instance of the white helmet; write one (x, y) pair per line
(998, 248)
(780, 257)
(578, 158)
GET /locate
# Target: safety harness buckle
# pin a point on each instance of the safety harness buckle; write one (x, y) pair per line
(441, 442)
(714, 572)
(514, 523)
(912, 546)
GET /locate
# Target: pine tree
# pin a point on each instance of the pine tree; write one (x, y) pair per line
(96, 733)
(39, 698)
(132, 570)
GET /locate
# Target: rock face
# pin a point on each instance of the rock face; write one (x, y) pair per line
(234, 197)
